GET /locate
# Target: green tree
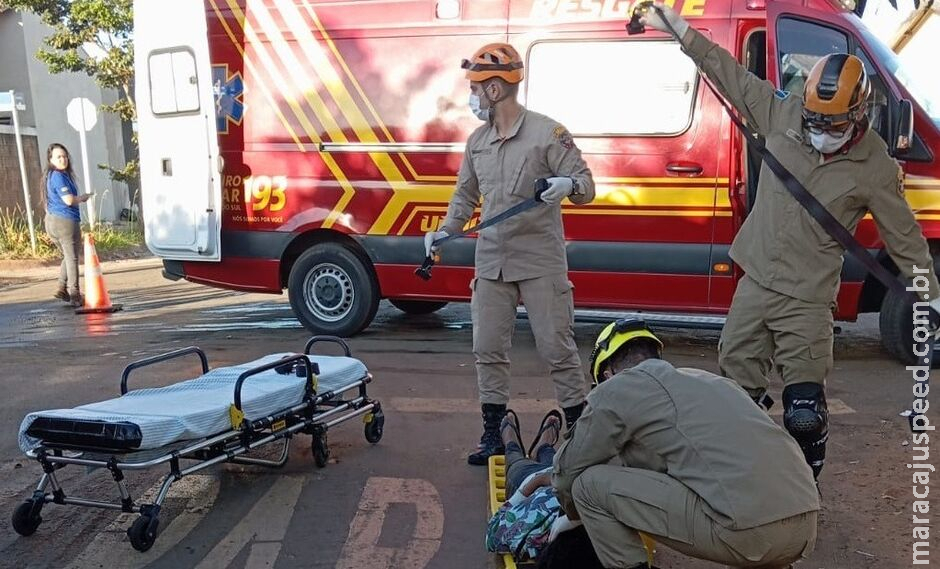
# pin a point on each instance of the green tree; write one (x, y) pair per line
(105, 24)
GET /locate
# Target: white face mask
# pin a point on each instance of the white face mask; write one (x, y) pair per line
(827, 143)
(480, 113)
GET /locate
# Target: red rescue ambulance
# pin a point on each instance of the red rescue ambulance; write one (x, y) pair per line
(308, 145)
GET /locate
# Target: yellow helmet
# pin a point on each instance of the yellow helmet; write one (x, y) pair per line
(615, 336)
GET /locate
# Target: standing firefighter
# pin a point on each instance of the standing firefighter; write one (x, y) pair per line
(685, 457)
(522, 258)
(781, 314)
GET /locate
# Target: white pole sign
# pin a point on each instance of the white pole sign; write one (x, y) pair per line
(83, 117)
(14, 106)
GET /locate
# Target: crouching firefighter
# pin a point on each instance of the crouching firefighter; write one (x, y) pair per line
(782, 311)
(523, 257)
(683, 456)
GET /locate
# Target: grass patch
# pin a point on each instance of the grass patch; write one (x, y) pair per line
(15, 244)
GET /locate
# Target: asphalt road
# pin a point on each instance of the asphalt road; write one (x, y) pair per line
(409, 501)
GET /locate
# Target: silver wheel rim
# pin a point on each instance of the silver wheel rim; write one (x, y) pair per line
(328, 292)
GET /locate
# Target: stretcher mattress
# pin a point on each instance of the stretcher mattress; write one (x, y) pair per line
(198, 408)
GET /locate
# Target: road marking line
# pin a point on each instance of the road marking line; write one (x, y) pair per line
(263, 555)
(444, 405)
(361, 548)
(267, 521)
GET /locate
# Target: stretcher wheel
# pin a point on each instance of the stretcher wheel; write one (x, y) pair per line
(321, 450)
(25, 522)
(374, 428)
(143, 532)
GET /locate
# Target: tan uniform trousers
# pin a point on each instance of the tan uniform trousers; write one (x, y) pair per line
(616, 502)
(764, 329)
(550, 307)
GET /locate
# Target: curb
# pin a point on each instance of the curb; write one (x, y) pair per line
(18, 272)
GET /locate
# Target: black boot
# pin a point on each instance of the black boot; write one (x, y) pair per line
(572, 413)
(763, 400)
(491, 442)
(62, 294)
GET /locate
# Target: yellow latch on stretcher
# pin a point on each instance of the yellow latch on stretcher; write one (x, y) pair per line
(235, 416)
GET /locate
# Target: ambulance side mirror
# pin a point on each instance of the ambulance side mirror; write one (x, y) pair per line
(903, 137)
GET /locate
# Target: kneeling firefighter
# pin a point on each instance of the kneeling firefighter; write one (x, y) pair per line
(685, 457)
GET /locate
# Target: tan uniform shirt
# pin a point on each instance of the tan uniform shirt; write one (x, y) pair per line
(699, 428)
(503, 172)
(780, 245)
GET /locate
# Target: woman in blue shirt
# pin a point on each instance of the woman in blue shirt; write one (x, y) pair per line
(63, 219)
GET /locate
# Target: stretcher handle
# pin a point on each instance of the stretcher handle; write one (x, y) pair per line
(333, 339)
(162, 358)
(269, 366)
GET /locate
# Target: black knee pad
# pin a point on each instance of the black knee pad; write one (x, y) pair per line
(806, 418)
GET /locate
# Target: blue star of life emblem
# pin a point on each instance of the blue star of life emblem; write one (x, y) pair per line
(229, 104)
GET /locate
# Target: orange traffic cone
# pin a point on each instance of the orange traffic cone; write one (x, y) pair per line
(96, 295)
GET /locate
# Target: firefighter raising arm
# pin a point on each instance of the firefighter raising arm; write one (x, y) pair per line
(753, 97)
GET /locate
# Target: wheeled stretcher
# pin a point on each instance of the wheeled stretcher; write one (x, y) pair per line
(189, 426)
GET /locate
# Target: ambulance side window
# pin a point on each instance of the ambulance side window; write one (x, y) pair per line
(174, 87)
(577, 83)
(800, 45)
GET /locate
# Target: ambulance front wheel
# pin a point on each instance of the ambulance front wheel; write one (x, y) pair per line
(333, 290)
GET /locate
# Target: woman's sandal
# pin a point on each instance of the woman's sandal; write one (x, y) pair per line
(514, 423)
(543, 427)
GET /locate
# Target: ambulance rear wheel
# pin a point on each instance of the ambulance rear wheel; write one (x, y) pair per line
(333, 290)
(896, 324)
(417, 307)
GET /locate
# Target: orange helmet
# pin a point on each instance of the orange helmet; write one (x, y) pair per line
(494, 60)
(836, 92)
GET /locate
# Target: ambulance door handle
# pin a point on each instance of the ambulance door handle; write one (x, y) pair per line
(684, 168)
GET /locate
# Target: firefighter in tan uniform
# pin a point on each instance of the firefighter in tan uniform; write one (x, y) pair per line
(522, 258)
(685, 457)
(781, 314)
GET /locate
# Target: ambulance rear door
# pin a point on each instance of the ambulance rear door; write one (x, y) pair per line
(181, 189)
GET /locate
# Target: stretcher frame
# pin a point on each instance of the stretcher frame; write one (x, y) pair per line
(314, 416)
